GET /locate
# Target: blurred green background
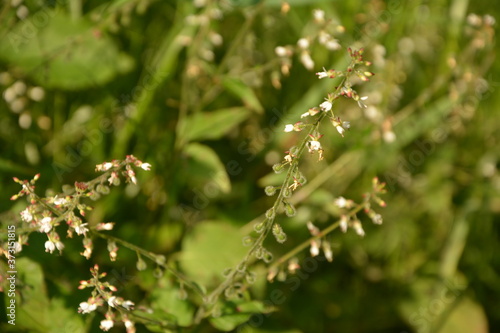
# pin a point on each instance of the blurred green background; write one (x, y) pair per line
(197, 90)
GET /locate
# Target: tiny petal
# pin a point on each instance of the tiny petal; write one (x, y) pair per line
(146, 166)
(288, 128)
(326, 106)
(49, 246)
(303, 43)
(106, 325)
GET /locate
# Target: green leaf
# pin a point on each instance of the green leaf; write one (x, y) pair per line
(168, 299)
(58, 52)
(35, 312)
(467, 316)
(206, 173)
(213, 125)
(212, 247)
(244, 92)
(236, 313)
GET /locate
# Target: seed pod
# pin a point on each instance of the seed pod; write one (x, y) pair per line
(271, 213)
(270, 190)
(290, 210)
(278, 168)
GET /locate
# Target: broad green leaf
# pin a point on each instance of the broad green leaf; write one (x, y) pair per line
(244, 92)
(467, 316)
(215, 124)
(212, 247)
(206, 173)
(58, 52)
(168, 299)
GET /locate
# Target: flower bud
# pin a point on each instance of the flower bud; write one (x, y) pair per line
(270, 190)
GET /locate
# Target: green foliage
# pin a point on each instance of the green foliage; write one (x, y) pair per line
(197, 89)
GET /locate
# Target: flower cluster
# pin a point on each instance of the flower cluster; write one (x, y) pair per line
(46, 214)
(102, 295)
(350, 220)
(326, 107)
(321, 31)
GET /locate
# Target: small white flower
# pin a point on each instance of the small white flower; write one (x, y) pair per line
(377, 219)
(303, 43)
(50, 246)
(314, 248)
(360, 103)
(146, 166)
(280, 51)
(326, 106)
(86, 307)
(106, 325)
(323, 74)
(343, 223)
(306, 60)
(26, 215)
(106, 166)
(333, 45)
(288, 128)
(112, 301)
(319, 15)
(59, 201)
(341, 130)
(129, 305)
(81, 229)
(59, 246)
(45, 225)
(341, 202)
(306, 114)
(358, 228)
(314, 145)
(346, 124)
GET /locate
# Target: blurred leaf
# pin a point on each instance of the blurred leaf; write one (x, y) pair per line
(63, 53)
(244, 92)
(205, 167)
(236, 313)
(35, 311)
(213, 125)
(466, 317)
(168, 299)
(212, 247)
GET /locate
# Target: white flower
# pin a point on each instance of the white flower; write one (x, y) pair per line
(346, 124)
(319, 15)
(341, 202)
(303, 43)
(86, 307)
(26, 215)
(305, 114)
(377, 219)
(306, 60)
(323, 74)
(343, 223)
(333, 45)
(59, 246)
(288, 127)
(59, 201)
(358, 228)
(50, 246)
(81, 229)
(326, 106)
(45, 225)
(106, 324)
(129, 305)
(360, 103)
(314, 145)
(314, 248)
(280, 51)
(112, 301)
(146, 166)
(341, 130)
